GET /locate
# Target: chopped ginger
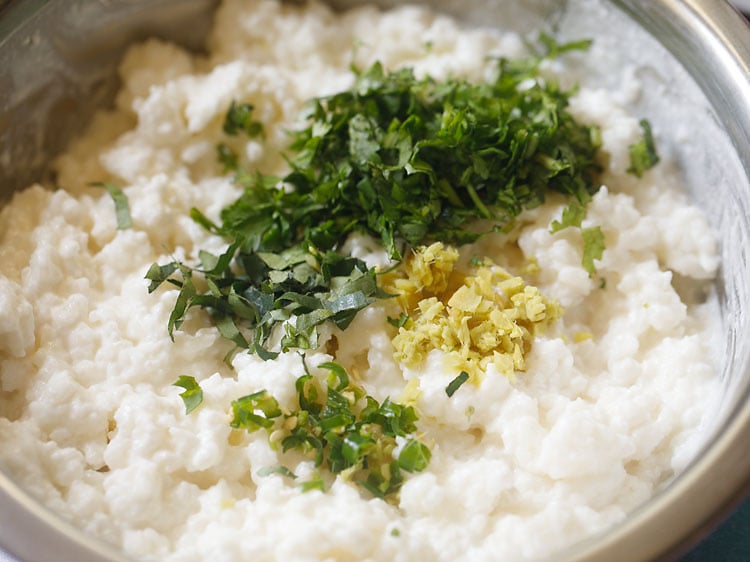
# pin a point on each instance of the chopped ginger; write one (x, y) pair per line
(427, 272)
(489, 317)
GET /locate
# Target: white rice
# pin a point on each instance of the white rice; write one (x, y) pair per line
(91, 424)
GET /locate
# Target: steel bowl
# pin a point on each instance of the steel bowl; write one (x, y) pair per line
(57, 64)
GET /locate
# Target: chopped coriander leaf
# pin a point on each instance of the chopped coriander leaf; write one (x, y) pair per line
(643, 155)
(192, 396)
(416, 159)
(227, 157)
(553, 49)
(239, 118)
(122, 207)
(456, 383)
(476, 261)
(593, 238)
(593, 247)
(572, 215)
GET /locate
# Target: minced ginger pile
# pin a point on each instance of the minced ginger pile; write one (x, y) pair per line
(491, 316)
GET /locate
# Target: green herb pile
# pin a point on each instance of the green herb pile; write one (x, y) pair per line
(643, 155)
(411, 160)
(339, 426)
(271, 288)
(406, 160)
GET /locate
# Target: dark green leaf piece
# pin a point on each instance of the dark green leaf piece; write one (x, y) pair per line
(643, 155)
(239, 119)
(400, 321)
(255, 411)
(341, 428)
(456, 383)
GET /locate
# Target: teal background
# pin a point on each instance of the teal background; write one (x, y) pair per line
(730, 542)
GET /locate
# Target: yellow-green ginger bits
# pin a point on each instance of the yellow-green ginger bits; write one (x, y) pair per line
(491, 316)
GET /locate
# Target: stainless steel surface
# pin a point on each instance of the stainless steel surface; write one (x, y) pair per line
(50, 81)
(31, 533)
(46, 71)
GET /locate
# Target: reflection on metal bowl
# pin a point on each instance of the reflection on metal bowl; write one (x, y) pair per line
(57, 64)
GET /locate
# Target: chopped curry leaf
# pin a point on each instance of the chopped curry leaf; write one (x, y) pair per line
(643, 155)
(158, 274)
(277, 469)
(122, 207)
(192, 396)
(553, 49)
(342, 429)
(249, 295)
